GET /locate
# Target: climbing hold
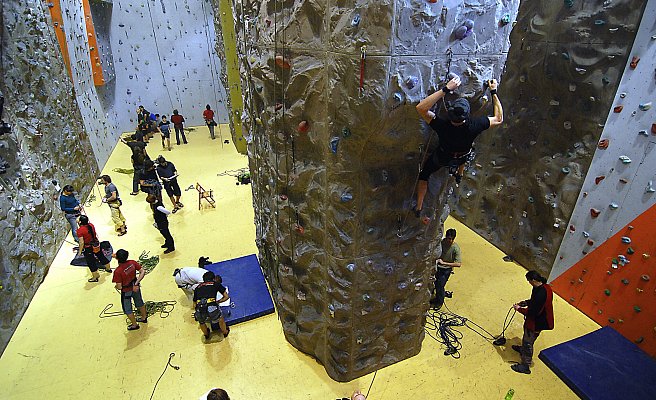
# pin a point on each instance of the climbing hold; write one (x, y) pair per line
(599, 22)
(624, 180)
(643, 133)
(346, 132)
(625, 281)
(282, 62)
(613, 206)
(565, 170)
(580, 280)
(571, 228)
(603, 144)
(645, 278)
(634, 62)
(346, 196)
(299, 229)
(398, 97)
(622, 95)
(645, 256)
(599, 312)
(366, 297)
(278, 106)
(411, 82)
(653, 129)
(572, 299)
(595, 302)
(637, 309)
(599, 179)
(585, 271)
(283, 197)
(607, 292)
(590, 242)
(594, 212)
(650, 188)
(605, 80)
(567, 125)
(639, 290)
(639, 340)
(630, 251)
(531, 199)
(469, 24)
(426, 220)
(351, 267)
(626, 240)
(618, 109)
(356, 20)
(505, 20)
(461, 32)
(644, 106)
(569, 3)
(581, 71)
(612, 321)
(585, 194)
(333, 144)
(303, 127)
(625, 159)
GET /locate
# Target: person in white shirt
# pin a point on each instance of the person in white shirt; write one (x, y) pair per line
(188, 278)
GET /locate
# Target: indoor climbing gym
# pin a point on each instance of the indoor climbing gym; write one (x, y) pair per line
(327, 199)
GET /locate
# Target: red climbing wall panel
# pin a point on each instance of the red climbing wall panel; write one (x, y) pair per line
(96, 67)
(615, 292)
(58, 26)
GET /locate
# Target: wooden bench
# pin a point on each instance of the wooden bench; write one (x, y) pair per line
(205, 194)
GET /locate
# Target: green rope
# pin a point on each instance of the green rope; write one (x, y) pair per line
(127, 171)
(92, 198)
(164, 308)
(148, 263)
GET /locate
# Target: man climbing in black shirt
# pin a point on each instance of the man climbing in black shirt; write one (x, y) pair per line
(456, 135)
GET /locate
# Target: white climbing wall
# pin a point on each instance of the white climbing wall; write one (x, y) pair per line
(618, 190)
(164, 58)
(99, 126)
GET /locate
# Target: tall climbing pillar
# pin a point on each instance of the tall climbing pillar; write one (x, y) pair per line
(335, 148)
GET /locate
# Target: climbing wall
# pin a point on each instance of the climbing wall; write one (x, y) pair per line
(84, 54)
(560, 80)
(164, 59)
(605, 266)
(335, 146)
(47, 148)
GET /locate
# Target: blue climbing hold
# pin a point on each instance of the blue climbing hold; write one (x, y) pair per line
(469, 24)
(333, 144)
(505, 20)
(398, 97)
(600, 22)
(411, 82)
(346, 196)
(461, 32)
(645, 106)
(626, 240)
(351, 267)
(356, 20)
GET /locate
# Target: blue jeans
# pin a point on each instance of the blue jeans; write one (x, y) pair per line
(72, 220)
(441, 277)
(126, 301)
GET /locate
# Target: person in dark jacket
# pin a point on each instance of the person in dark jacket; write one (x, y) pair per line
(538, 312)
(71, 208)
(161, 221)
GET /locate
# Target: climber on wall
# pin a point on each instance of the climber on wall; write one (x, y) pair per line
(456, 135)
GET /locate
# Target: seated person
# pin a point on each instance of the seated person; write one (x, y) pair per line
(207, 305)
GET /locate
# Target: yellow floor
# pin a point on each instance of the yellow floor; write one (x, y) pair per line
(63, 350)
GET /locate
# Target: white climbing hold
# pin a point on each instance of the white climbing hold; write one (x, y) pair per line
(625, 159)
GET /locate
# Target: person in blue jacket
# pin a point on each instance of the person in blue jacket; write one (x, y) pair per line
(71, 208)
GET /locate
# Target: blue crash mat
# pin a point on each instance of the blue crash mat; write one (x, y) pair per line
(603, 365)
(248, 290)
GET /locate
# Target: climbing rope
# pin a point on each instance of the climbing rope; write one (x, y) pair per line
(148, 263)
(127, 171)
(164, 308)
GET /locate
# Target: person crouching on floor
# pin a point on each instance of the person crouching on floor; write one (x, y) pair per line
(207, 305)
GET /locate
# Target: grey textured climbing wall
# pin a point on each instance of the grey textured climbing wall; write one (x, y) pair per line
(47, 143)
(164, 58)
(335, 146)
(563, 70)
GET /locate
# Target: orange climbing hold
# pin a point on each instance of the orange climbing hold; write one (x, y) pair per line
(594, 212)
(282, 62)
(603, 144)
(618, 109)
(634, 62)
(303, 126)
(599, 179)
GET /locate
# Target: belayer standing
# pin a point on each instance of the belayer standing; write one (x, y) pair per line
(208, 116)
(207, 304)
(538, 311)
(456, 134)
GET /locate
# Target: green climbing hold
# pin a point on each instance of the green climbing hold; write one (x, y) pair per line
(625, 281)
(599, 22)
(612, 321)
(614, 261)
(605, 80)
(637, 309)
(346, 132)
(505, 20)
(569, 3)
(607, 292)
(630, 251)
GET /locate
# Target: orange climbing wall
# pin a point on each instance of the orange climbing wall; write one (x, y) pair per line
(96, 67)
(609, 292)
(58, 26)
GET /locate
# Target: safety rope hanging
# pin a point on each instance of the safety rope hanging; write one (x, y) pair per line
(363, 56)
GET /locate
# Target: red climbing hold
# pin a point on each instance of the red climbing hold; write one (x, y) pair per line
(283, 197)
(299, 229)
(599, 179)
(634, 62)
(282, 63)
(426, 220)
(572, 228)
(653, 129)
(303, 127)
(594, 212)
(278, 106)
(603, 144)
(590, 242)
(618, 109)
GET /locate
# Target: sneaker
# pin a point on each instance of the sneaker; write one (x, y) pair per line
(134, 193)
(225, 335)
(180, 205)
(142, 320)
(521, 368)
(167, 251)
(133, 327)
(517, 348)
(164, 246)
(448, 294)
(175, 210)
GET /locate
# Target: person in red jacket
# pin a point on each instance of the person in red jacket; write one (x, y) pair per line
(178, 121)
(208, 116)
(538, 312)
(127, 279)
